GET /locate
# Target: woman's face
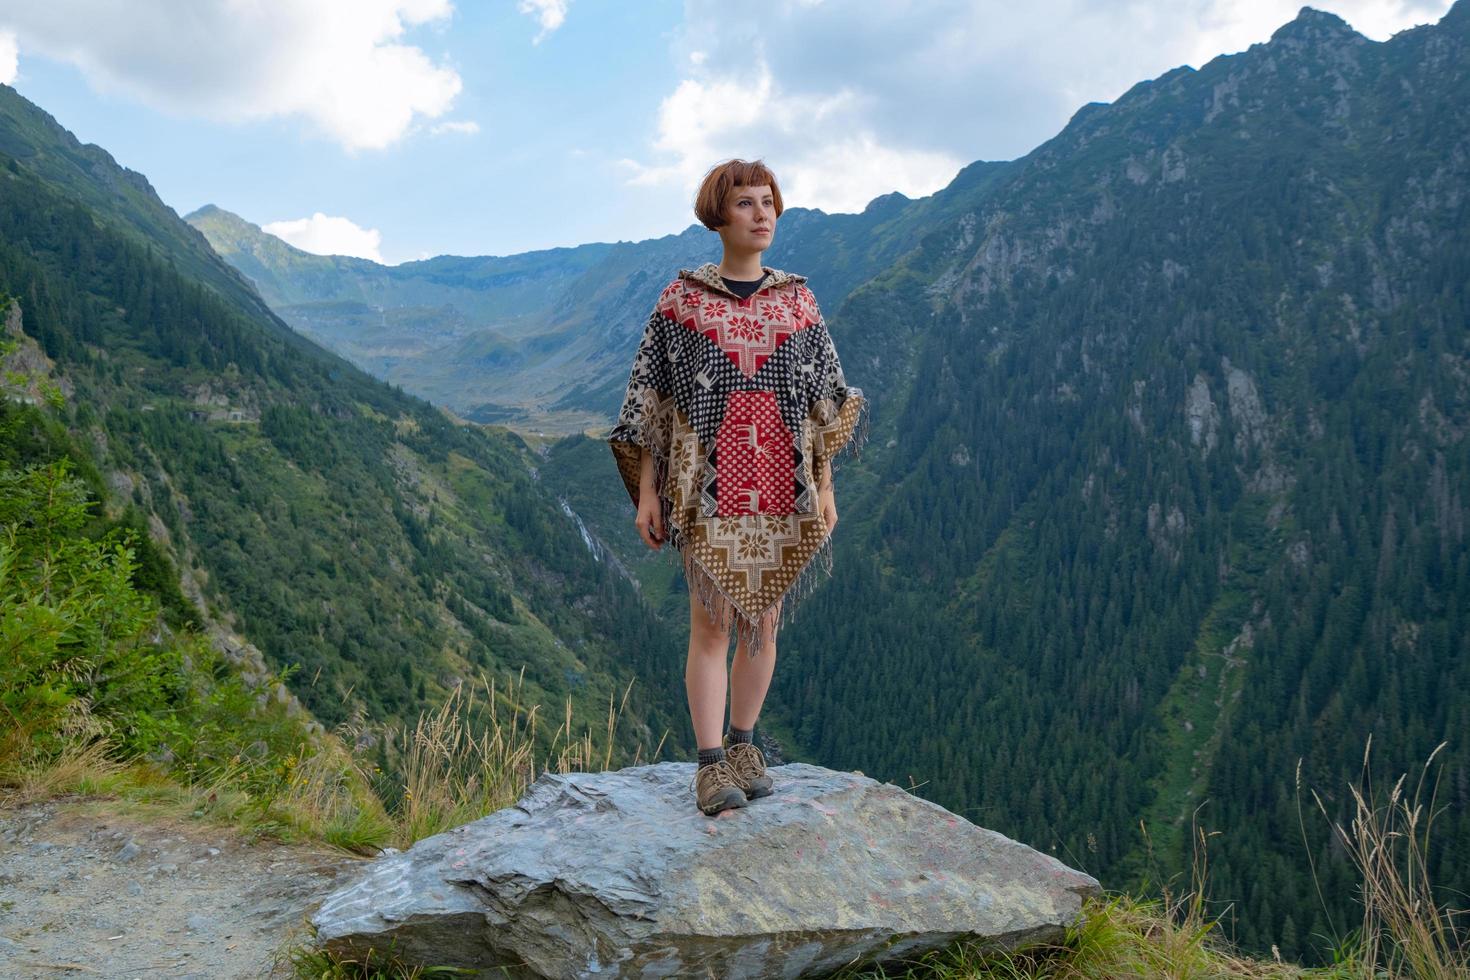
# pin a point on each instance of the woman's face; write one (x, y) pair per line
(750, 219)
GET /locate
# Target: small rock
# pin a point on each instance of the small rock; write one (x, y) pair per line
(213, 852)
(197, 923)
(134, 888)
(129, 851)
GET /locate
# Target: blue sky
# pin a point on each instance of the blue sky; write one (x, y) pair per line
(399, 129)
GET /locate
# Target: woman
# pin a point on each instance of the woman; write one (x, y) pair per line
(736, 406)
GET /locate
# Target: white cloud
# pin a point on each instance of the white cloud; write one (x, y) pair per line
(9, 58)
(343, 65)
(550, 14)
(467, 127)
(819, 145)
(850, 173)
(326, 235)
(847, 99)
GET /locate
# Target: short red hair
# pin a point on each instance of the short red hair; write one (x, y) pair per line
(714, 190)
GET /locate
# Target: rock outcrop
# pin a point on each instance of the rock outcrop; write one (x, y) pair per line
(617, 874)
(26, 373)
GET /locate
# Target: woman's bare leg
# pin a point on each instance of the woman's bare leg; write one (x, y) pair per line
(750, 677)
(704, 675)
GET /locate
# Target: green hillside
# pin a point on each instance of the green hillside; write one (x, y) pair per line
(360, 538)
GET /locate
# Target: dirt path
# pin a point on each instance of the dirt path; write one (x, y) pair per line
(85, 892)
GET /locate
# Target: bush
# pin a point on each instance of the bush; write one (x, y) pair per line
(75, 660)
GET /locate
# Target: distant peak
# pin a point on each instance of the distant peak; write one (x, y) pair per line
(217, 215)
(1311, 24)
(1324, 19)
(885, 201)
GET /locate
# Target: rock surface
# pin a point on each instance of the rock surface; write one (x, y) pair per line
(617, 874)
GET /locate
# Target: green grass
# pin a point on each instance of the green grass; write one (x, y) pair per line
(316, 964)
(1195, 713)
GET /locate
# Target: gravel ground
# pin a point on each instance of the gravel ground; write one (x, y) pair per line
(89, 893)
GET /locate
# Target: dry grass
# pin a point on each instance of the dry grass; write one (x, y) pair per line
(451, 773)
(324, 794)
(455, 769)
(1405, 931)
(1117, 937)
(80, 767)
(477, 753)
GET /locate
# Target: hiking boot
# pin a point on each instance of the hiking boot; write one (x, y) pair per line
(750, 768)
(716, 788)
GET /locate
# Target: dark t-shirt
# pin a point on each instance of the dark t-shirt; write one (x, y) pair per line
(743, 288)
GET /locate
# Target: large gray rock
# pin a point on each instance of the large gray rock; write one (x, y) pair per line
(617, 874)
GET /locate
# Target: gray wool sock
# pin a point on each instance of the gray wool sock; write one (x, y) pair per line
(741, 735)
(708, 757)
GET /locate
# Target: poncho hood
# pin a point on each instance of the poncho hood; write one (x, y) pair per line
(708, 275)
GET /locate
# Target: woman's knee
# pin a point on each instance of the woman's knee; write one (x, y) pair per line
(706, 635)
(715, 620)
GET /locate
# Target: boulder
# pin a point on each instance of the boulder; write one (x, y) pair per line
(618, 874)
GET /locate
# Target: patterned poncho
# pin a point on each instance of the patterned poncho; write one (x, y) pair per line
(740, 402)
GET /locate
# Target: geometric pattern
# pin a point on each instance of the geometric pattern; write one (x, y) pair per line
(739, 402)
(746, 330)
(757, 457)
(749, 557)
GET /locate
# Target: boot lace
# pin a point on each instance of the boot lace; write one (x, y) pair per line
(747, 761)
(715, 777)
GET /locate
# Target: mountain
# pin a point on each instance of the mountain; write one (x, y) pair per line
(371, 546)
(498, 338)
(1167, 488)
(1177, 420)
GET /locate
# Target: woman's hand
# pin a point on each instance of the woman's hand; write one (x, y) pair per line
(826, 498)
(650, 519)
(829, 509)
